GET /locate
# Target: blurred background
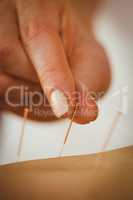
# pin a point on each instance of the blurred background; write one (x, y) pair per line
(114, 28)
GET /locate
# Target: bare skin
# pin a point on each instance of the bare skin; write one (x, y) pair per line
(94, 177)
(51, 44)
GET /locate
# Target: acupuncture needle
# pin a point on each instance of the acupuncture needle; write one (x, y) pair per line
(111, 131)
(109, 136)
(26, 111)
(68, 130)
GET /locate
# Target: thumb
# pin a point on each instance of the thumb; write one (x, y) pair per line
(48, 57)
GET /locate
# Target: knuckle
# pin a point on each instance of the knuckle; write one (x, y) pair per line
(35, 28)
(30, 30)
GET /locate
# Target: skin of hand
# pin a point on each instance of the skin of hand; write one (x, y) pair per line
(52, 43)
(100, 176)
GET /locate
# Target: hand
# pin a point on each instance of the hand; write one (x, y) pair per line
(52, 43)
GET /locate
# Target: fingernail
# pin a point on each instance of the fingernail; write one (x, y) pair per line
(59, 103)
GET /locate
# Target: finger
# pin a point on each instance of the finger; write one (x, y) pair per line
(17, 94)
(46, 52)
(87, 110)
(90, 67)
(12, 56)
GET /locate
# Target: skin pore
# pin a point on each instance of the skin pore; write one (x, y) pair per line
(93, 177)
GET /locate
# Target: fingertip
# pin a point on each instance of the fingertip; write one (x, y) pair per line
(86, 113)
